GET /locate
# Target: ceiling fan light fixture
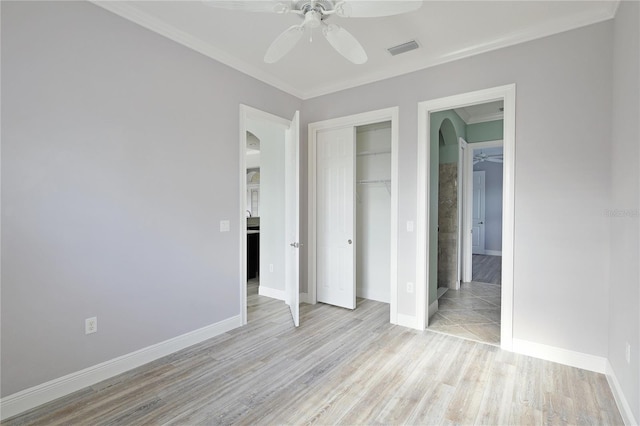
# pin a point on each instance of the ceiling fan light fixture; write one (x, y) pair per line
(312, 19)
(403, 48)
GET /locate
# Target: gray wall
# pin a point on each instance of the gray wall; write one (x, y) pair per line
(493, 204)
(119, 159)
(624, 205)
(561, 79)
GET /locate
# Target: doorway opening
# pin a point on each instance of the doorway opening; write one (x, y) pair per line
(269, 218)
(458, 134)
(353, 210)
(468, 200)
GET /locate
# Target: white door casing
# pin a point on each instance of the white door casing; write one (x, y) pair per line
(478, 212)
(507, 94)
(335, 206)
(462, 206)
(292, 218)
(361, 119)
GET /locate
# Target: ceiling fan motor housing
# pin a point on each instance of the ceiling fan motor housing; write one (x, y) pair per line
(320, 6)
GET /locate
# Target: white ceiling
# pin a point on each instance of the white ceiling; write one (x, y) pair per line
(445, 30)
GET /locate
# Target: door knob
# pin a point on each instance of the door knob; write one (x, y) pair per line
(480, 223)
(349, 241)
(295, 245)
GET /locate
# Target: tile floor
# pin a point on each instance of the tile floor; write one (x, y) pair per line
(473, 312)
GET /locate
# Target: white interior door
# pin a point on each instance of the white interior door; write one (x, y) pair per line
(292, 218)
(477, 230)
(335, 217)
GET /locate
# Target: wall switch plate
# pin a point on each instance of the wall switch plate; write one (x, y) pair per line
(90, 325)
(627, 353)
(271, 267)
(409, 287)
(409, 226)
(225, 226)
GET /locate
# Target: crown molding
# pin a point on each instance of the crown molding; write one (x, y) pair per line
(550, 28)
(124, 10)
(485, 118)
(131, 13)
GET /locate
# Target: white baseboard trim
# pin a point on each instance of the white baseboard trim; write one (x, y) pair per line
(559, 355)
(493, 252)
(408, 321)
(30, 398)
(618, 395)
(304, 297)
(433, 308)
(271, 292)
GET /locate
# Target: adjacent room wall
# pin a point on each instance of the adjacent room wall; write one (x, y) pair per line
(486, 131)
(623, 208)
(565, 78)
(119, 160)
(272, 212)
(439, 154)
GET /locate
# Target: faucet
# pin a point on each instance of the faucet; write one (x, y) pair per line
(248, 211)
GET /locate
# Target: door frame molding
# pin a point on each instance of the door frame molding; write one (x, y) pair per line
(463, 233)
(248, 113)
(506, 93)
(387, 114)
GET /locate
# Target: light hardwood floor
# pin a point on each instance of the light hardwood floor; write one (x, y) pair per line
(339, 367)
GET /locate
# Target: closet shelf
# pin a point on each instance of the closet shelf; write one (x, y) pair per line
(366, 181)
(386, 182)
(363, 153)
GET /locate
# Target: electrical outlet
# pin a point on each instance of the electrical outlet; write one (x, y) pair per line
(627, 353)
(409, 287)
(90, 325)
(225, 226)
(409, 226)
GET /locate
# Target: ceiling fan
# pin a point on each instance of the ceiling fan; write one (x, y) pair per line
(482, 157)
(314, 14)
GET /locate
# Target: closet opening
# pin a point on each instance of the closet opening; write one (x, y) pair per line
(353, 210)
(373, 211)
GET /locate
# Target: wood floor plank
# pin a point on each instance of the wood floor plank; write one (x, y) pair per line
(338, 367)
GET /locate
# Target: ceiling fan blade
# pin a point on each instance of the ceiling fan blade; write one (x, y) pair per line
(251, 5)
(345, 43)
(374, 9)
(494, 160)
(283, 43)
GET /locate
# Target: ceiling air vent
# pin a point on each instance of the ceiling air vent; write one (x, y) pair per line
(404, 47)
